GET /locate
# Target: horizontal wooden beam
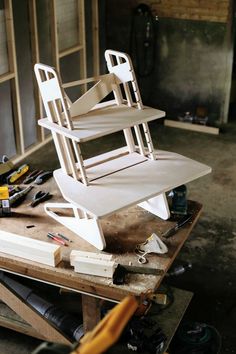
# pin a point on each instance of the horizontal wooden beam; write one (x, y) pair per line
(6, 77)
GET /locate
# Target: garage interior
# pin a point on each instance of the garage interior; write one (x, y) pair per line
(183, 55)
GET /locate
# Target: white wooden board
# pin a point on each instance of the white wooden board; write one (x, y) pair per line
(28, 248)
(98, 123)
(131, 186)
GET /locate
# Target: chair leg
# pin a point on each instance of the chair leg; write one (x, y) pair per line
(157, 206)
(88, 228)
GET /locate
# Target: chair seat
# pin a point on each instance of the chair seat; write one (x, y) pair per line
(104, 121)
(115, 191)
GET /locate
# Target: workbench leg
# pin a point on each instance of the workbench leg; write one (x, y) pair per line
(40, 324)
(91, 312)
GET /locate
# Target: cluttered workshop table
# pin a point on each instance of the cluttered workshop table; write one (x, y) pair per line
(123, 232)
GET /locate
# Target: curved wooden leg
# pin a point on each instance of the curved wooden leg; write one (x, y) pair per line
(157, 206)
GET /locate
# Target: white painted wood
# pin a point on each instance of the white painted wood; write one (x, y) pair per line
(131, 186)
(157, 206)
(28, 248)
(114, 165)
(88, 229)
(139, 139)
(93, 96)
(76, 253)
(92, 263)
(117, 179)
(105, 121)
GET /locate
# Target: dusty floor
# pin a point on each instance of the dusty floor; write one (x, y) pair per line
(212, 246)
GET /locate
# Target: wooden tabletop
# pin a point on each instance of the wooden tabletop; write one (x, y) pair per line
(123, 231)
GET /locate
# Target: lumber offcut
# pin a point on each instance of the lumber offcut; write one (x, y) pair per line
(28, 248)
(93, 263)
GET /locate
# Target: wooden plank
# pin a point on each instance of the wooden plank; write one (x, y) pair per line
(6, 77)
(30, 316)
(82, 40)
(24, 247)
(122, 189)
(36, 59)
(98, 264)
(108, 120)
(193, 127)
(91, 312)
(20, 146)
(9, 319)
(95, 33)
(70, 50)
(54, 35)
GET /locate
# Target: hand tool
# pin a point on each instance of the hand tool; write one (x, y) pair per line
(19, 196)
(172, 231)
(17, 174)
(57, 239)
(123, 269)
(32, 176)
(43, 177)
(5, 167)
(5, 209)
(39, 197)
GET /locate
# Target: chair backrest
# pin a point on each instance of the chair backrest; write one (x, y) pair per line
(57, 110)
(120, 64)
(53, 95)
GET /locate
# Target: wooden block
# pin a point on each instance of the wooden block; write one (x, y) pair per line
(28, 248)
(92, 263)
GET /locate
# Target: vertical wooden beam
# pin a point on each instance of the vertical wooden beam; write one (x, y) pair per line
(91, 312)
(20, 148)
(35, 59)
(82, 40)
(54, 35)
(95, 30)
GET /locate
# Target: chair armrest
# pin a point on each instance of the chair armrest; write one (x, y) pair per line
(54, 127)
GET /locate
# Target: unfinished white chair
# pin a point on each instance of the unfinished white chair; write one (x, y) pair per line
(102, 185)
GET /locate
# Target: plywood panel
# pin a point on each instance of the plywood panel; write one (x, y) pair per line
(67, 23)
(7, 139)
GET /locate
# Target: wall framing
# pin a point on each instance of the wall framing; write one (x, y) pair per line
(12, 75)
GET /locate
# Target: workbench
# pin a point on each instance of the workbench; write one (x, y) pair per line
(123, 231)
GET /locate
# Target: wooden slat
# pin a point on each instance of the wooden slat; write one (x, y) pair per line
(95, 30)
(6, 77)
(20, 146)
(30, 316)
(190, 126)
(200, 10)
(69, 51)
(36, 59)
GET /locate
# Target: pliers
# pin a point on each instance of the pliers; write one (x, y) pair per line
(39, 197)
(31, 177)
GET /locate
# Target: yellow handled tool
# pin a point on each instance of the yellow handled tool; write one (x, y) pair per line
(108, 329)
(17, 174)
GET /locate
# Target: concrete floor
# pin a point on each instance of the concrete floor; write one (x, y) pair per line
(211, 247)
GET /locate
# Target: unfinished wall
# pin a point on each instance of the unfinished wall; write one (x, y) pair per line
(193, 57)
